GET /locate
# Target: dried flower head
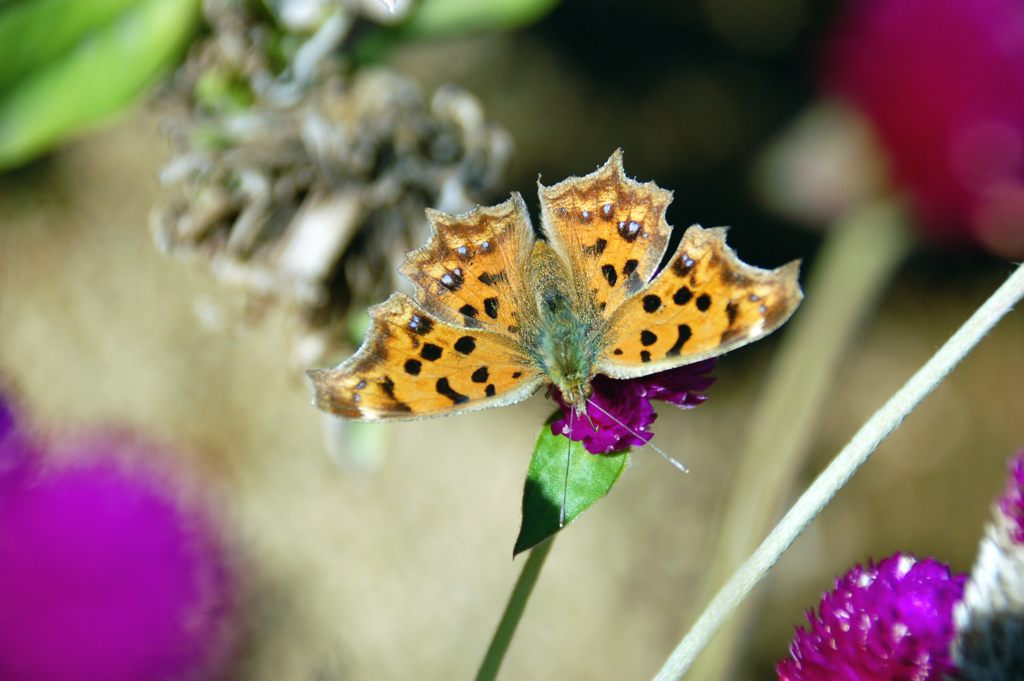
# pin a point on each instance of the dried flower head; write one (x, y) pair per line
(622, 411)
(303, 182)
(942, 84)
(893, 620)
(990, 620)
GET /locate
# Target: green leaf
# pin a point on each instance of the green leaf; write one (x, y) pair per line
(444, 18)
(591, 476)
(34, 32)
(439, 19)
(100, 74)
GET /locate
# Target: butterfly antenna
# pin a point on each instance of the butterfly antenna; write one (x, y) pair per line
(568, 460)
(586, 413)
(646, 441)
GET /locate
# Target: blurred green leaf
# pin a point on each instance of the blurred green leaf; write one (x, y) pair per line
(435, 19)
(440, 18)
(591, 476)
(100, 71)
(34, 32)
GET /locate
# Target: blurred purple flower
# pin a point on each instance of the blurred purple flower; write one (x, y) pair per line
(942, 83)
(107, 571)
(625, 405)
(15, 450)
(1012, 502)
(6, 416)
(893, 620)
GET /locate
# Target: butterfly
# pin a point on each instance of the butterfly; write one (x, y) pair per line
(499, 313)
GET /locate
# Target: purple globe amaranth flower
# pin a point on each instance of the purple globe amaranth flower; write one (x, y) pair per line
(110, 568)
(622, 411)
(6, 416)
(893, 620)
(15, 449)
(942, 84)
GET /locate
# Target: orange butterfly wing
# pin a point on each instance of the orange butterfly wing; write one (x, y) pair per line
(413, 364)
(611, 231)
(704, 303)
(459, 346)
(471, 271)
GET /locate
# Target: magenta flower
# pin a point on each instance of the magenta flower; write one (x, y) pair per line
(15, 450)
(6, 417)
(893, 620)
(1012, 501)
(108, 569)
(623, 410)
(942, 84)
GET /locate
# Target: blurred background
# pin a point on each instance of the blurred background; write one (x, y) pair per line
(198, 202)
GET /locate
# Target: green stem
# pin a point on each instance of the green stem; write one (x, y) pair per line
(513, 612)
(860, 254)
(845, 464)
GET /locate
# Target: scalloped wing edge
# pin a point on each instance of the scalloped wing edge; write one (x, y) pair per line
(792, 296)
(328, 400)
(613, 166)
(443, 223)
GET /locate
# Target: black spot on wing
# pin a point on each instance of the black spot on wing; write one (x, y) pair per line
(444, 388)
(682, 265)
(629, 230)
(481, 375)
(421, 324)
(648, 338)
(491, 279)
(597, 248)
(387, 386)
(630, 267)
(452, 280)
(651, 303)
(703, 302)
(684, 333)
(413, 366)
(682, 296)
(489, 390)
(491, 307)
(610, 275)
(645, 356)
(731, 310)
(465, 345)
(431, 352)
(469, 310)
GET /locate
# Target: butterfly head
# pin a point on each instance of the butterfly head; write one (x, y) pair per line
(576, 395)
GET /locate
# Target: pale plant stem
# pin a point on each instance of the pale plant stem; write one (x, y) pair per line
(517, 601)
(856, 262)
(845, 464)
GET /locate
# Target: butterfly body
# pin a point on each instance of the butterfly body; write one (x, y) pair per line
(568, 333)
(499, 313)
